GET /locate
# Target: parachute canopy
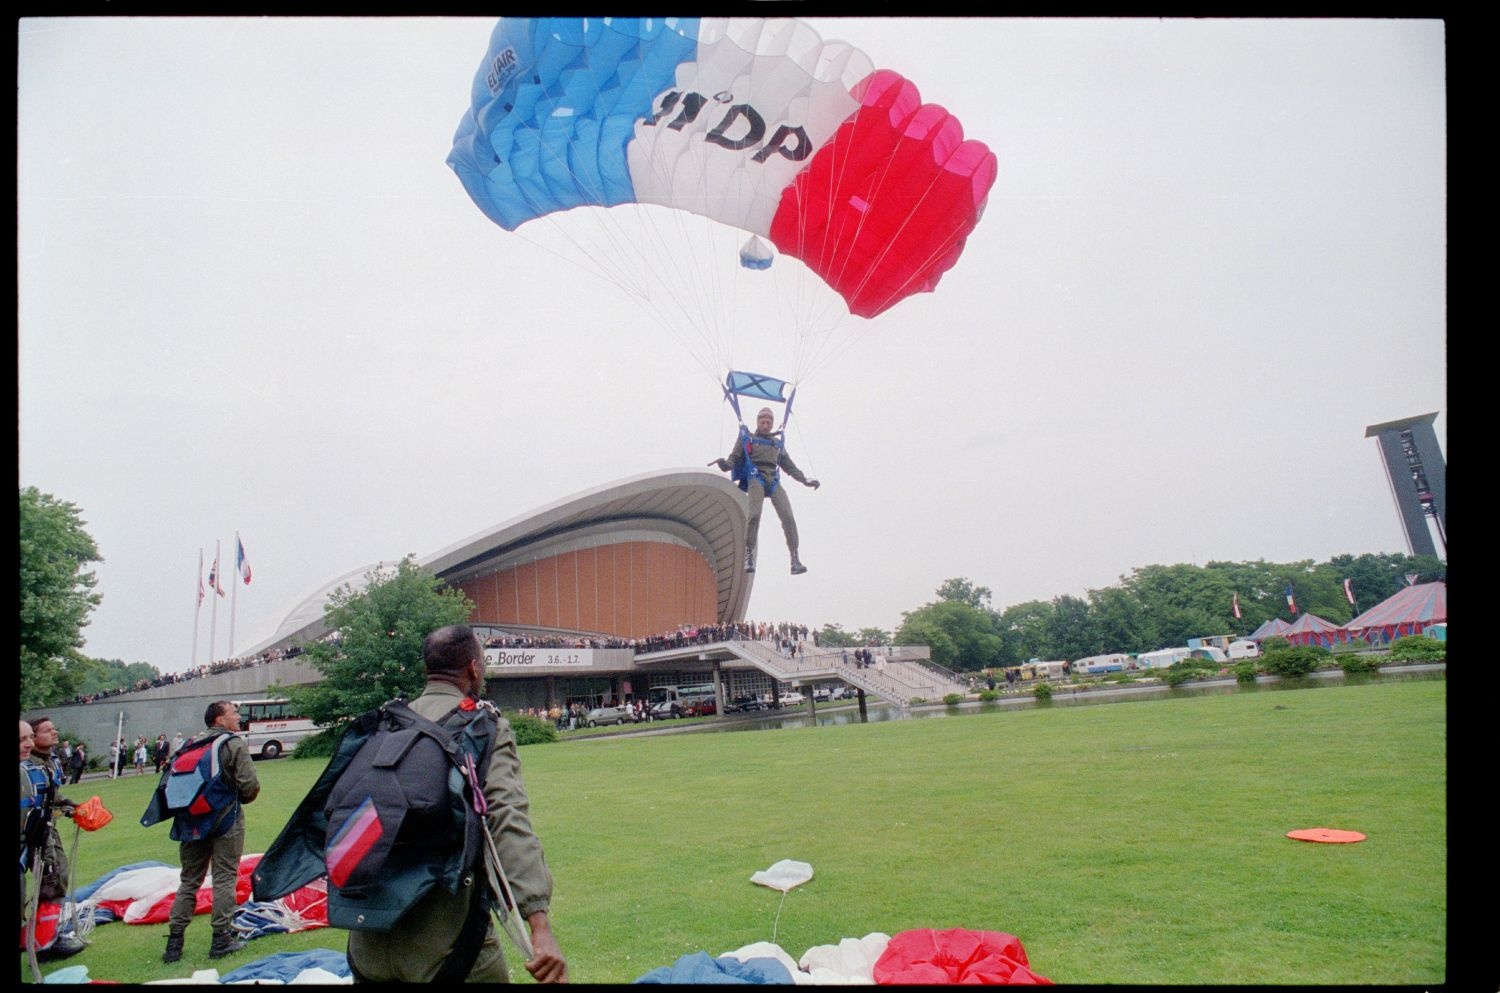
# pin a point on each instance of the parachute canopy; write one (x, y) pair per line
(755, 123)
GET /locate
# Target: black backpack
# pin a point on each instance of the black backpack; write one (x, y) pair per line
(407, 813)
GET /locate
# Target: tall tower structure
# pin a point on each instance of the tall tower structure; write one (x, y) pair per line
(1418, 476)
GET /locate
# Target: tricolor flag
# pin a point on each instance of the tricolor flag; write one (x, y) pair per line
(353, 842)
(1349, 592)
(1236, 606)
(1411, 578)
(241, 563)
(200, 577)
(213, 576)
(1291, 601)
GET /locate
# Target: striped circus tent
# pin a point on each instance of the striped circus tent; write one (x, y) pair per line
(1410, 611)
(1310, 629)
(1272, 628)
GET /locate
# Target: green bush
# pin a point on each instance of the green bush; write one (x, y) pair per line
(1358, 663)
(1273, 643)
(319, 746)
(1245, 670)
(1419, 648)
(953, 699)
(532, 730)
(988, 695)
(1180, 672)
(1042, 692)
(1297, 661)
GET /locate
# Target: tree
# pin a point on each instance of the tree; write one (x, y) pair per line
(56, 597)
(113, 674)
(961, 590)
(1023, 630)
(1071, 631)
(873, 636)
(958, 635)
(834, 636)
(374, 649)
(1121, 622)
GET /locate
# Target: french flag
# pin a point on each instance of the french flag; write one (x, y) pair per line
(1291, 601)
(241, 563)
(353, 842)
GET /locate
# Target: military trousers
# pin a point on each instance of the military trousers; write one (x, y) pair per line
(222, 855)
(783, 505)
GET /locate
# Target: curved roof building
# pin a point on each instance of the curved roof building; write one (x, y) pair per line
(631, 558)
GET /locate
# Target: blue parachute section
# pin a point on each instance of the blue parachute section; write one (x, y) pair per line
(554, 106)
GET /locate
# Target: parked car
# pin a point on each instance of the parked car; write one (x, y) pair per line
(743, 704)
(665, 709)
(607, 715)
(700, 708)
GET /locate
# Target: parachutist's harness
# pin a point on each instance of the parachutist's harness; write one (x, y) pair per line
(748, 470)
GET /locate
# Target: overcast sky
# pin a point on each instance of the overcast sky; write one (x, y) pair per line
(254, 297)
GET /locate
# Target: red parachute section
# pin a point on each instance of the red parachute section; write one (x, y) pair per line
(927, 957)
(884, 208)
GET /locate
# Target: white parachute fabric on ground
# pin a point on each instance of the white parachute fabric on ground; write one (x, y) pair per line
(851, 962)
(784, 875)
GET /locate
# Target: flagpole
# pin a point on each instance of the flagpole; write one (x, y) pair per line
(235, 596)
(197, 607)
(213, 621)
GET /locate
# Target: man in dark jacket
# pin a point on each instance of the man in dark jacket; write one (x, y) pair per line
(757, 461)
(415, 949)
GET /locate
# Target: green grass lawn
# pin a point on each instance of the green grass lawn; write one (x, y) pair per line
(1141, 844)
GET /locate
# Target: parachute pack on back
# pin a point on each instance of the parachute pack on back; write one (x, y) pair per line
(406, 813)
(194, 792)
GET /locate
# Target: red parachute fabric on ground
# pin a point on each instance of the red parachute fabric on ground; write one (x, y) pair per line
(957, 956)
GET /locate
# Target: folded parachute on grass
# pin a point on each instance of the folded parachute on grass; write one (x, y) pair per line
(916, 957)
(142, 893)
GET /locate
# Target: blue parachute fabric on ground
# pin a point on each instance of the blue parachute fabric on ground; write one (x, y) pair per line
(69, 975)
(700, 968)
(286, 966)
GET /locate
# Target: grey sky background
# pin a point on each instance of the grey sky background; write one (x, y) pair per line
(253, 297)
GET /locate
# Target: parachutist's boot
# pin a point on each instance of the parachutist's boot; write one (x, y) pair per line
(225, 943)
(174, 946)
(797, 567)
(749, 560)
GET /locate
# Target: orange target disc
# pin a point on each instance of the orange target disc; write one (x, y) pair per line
(1326, 835)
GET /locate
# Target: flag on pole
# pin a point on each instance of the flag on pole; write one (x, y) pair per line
(1291, 601)
(200, 577)
(1349, 592)
(241, 563)
(213, 576)
(1411, 578)
(1237, 614)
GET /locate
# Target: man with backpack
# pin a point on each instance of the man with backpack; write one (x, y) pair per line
(202, 790)
(421, 824)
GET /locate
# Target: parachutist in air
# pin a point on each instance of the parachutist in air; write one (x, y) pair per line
(756, 463)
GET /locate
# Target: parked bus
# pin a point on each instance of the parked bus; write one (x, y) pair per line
(271, 727)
